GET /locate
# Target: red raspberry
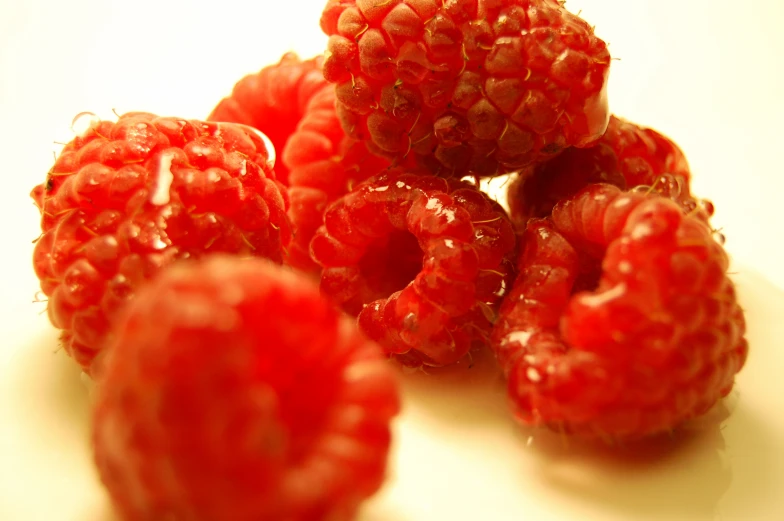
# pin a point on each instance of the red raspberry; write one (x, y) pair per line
(127, 198)
(324, 165)
(466, 85)
(428, 258)
(622, 322)
(274, 100)
(628, 156)
(235, 392)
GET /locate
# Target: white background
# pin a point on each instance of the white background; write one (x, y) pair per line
(708, 73)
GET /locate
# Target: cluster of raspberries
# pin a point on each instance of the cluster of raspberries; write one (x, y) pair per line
(232, 388)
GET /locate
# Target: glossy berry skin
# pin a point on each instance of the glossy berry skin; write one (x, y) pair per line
(622, 322)
(127, 198)
(423, 261)
(628, 156)
(480, 86)
(324, 164)
(235, 392)
(274, 100)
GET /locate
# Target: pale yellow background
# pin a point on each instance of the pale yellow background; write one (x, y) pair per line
(706, 72)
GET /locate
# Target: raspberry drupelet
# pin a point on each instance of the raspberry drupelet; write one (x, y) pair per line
(324, 164)
(127, 198)
(480, 86)
(622, 322)
(234, 391)
(274, 100)
(628, 156)
(422, 260)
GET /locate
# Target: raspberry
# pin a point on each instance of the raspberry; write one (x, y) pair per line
(235, 392)
(622, 322)
(324, 165)
(466, 85)
(425, 260)
(126, 199)
(274, 100)
(628, 156)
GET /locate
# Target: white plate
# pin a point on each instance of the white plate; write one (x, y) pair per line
(458, 455)
(706, 72)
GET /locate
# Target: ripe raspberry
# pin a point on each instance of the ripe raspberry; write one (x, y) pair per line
(622, 322)
(429, 258)
(235, 392)
(324, 164)
(274, 100)
(628, 156)
(466, 85)
(127, 198)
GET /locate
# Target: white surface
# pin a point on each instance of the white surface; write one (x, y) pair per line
(705, 72)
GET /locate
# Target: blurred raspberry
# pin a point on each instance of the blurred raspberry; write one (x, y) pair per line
(235, 392)
(274, 100)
